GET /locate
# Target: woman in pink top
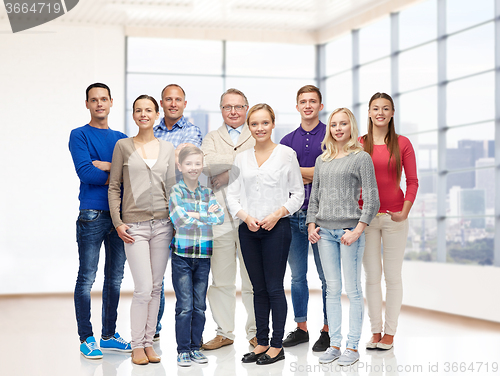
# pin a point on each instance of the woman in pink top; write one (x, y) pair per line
(391, 153)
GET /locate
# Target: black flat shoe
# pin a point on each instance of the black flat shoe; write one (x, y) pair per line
(266, 359)
(252, 357)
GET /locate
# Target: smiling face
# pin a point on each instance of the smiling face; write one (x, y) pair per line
(309, 105)
(99, 103)
(145, 113)
(261, 125)
(191, 167)
(173, 103)
(340, 128)
(381, 112)
(234, 118)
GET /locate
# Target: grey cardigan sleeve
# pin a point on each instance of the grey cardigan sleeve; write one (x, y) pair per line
(371, 202)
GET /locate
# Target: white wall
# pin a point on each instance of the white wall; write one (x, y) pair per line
(467, 290)
(43, 77)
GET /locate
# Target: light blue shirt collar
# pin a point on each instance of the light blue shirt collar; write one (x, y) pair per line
(234, 133)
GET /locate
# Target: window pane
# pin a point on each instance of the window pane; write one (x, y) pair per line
(339, 91)
(285, 123)
(339, 55)
(464, 13)
(161, 55)
(374, 77)
(486, 182)
(475, 93)
(280, 94)
(471, 51)
(418, 67)
(374, 41)
(270, 59)
(470, 239)
(418, 111)
(425, 146)
(422, 242)
(466, 145)
(418, 24)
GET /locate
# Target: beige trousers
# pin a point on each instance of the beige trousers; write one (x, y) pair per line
(393, 236)
(222, 292)
(147, 259)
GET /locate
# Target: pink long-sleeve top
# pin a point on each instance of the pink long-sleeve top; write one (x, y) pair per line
(390, 194)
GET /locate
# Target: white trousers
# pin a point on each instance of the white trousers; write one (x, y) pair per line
(393, 236)
(222, 292)
(147, 258)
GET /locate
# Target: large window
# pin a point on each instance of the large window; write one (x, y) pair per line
(444, 91)
(205, 69)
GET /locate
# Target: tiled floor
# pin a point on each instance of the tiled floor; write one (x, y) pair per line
(38, 337)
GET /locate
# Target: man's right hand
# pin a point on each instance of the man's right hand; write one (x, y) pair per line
(103, 166)
(220, 180)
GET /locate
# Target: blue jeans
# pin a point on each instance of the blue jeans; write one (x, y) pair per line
(190, 282)
(297, 259)
(265, 254)
(332, 254)
(94, 227)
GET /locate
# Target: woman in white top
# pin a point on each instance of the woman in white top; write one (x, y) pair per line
(146, 166)
(265, 188)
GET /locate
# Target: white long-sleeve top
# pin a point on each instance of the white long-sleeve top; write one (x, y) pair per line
(260, 191)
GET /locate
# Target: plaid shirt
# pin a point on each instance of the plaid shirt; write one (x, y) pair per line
(182, 131)
(193, 237)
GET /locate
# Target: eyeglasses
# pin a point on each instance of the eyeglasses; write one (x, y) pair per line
(236, 108)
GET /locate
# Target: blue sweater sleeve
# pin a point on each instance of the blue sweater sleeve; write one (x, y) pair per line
(86, 171)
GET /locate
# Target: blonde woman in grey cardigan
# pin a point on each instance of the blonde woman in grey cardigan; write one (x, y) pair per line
(337, 224)
(146, 165)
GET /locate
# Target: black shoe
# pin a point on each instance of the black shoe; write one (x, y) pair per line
(251, 357)
(156, 337)
(266, 359)
(296, 337)
(322, 343)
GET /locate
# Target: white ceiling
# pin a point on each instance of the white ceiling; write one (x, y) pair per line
(303, 21)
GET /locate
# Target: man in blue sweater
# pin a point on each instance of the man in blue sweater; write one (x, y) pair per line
(91, 148)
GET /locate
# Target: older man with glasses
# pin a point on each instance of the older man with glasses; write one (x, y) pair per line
(220, 147)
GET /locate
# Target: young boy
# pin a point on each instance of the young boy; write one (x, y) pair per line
(193, 211)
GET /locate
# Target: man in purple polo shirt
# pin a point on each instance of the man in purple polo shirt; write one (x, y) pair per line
(306, 141)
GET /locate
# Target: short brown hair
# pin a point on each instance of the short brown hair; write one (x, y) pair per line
(261, 106)
(309, 89)
(233, 91)
(187, 151)
(170, 85)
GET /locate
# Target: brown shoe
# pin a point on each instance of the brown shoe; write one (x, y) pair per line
(253, 342)
(153, 357)
(139, 356)
(217, 343)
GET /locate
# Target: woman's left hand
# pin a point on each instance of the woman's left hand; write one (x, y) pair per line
(397, 216)
(349, 237)
(269, 222)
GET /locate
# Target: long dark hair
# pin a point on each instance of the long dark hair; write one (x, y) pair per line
(391, 138)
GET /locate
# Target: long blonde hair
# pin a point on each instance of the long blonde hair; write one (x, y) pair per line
(329, 145)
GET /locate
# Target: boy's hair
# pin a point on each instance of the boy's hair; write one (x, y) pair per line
(187, 151)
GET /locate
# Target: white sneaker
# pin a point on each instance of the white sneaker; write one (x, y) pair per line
(329, 355)
(348, 358)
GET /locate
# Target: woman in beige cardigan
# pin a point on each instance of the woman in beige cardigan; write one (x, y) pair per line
(146, 166)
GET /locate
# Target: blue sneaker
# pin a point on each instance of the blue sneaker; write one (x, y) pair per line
(90, 350)
(116, 343)
(183, 359)
(198, 357)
